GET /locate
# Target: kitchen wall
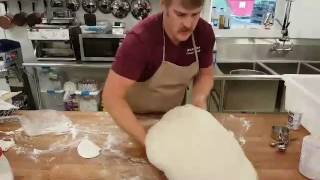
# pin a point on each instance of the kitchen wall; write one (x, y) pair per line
(302, 26)
(303, 18)
(260, 49)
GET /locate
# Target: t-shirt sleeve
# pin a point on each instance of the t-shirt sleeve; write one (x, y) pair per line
(207, 41)
(131, 58)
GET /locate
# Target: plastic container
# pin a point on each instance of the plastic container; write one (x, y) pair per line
(5, 169)
(302, 96)
(53, 99)
(310, 157)
(214, 17)
(99, 29)
(88, 100)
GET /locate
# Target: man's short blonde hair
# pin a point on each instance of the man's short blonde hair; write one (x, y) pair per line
(188, 4)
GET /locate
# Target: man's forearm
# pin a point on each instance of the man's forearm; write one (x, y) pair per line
(202, 87)
(125, 118)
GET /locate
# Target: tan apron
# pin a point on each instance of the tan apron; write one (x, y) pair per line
(165, 89)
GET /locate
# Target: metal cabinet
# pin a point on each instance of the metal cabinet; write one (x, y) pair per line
(67, 85)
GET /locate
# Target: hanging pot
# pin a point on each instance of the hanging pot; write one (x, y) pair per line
(120, 8)
(73, 5)
(6, 20)
(105, 6)
(20, 18)
(90, 6)
(34, 18)
(140, 9)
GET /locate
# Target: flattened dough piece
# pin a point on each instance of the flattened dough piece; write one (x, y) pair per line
(87, 149)
(188, 143)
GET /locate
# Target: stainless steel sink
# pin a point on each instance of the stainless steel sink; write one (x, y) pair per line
(245, 94)
(291, 68)
(316, 65)
(227, 68)
(261, 92)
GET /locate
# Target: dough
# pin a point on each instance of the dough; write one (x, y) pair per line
(188, 143)
(88, 149)
(5, 145)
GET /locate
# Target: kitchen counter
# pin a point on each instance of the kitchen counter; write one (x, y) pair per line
(55, 157)
(68, 64)
(107, 65)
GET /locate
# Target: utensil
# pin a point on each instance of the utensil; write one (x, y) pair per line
(274, 144)
(34, 18)
(6, 20)
(282, 137)
(20, 19)
(279, 132)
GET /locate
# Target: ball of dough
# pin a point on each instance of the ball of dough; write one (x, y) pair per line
(88, 149)
(188, 143)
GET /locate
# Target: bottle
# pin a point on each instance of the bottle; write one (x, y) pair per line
(227, 19)
(221, 18)
(214, 17)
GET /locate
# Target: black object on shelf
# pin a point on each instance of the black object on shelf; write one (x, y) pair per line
(90, 19)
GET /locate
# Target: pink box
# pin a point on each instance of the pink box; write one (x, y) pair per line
(242, 8)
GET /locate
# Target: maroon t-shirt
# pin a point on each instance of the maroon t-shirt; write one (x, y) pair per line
(140, 54)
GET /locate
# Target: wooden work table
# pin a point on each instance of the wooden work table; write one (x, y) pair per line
(55, 156)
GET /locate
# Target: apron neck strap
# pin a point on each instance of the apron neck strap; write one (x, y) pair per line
(195, 48)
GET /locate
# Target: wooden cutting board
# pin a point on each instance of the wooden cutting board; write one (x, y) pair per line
(55, 157)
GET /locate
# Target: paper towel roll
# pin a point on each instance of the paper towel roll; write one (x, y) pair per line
(310, 157)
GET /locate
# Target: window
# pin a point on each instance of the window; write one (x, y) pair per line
(242, 13)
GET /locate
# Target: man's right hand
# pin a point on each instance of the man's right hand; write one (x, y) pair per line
(114, 93)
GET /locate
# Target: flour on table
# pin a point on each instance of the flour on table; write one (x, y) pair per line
(188, 143)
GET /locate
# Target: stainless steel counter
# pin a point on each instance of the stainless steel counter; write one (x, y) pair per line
(68, 64)
(231, 93)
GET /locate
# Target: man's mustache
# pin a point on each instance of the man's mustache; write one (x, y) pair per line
(185, 29)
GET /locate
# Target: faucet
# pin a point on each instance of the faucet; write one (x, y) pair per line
(268, 18)
(283, 44)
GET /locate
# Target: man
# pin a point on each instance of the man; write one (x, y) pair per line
(156, 62)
